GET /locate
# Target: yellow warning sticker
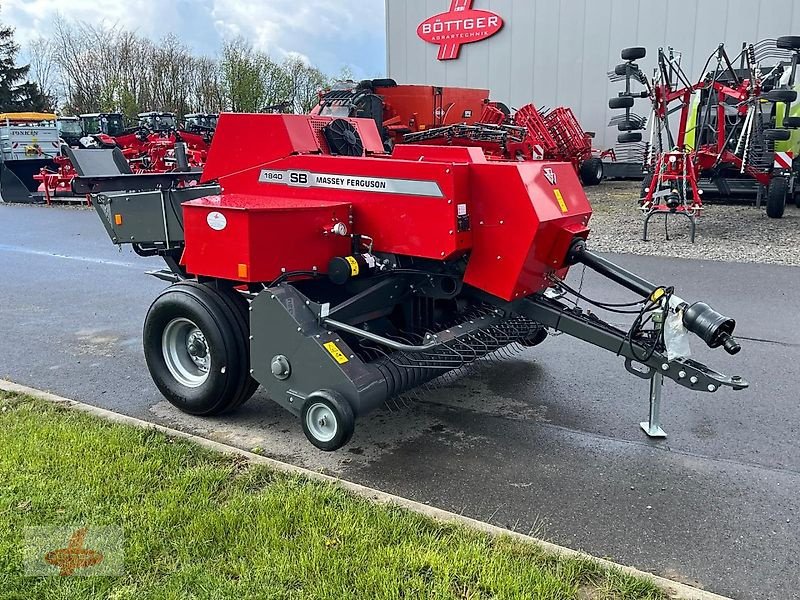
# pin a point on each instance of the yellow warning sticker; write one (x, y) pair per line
(337, 354)
(353, 265)
(560, 199)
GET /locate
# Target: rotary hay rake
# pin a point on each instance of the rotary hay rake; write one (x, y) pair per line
(723, 131)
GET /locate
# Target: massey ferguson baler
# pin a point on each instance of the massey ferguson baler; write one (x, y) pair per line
(337, 276)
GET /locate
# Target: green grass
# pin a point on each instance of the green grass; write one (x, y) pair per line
(201, 525)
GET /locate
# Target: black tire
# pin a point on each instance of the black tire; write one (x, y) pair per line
(591, 171)
(791, 122)
(777, 135)
(327, 404)
(623, 69)
(776, 197)
(183, 309)
(535, 338)
(620, 102)
(781, 95)
(238, 311)
(241, 310)
(788, 42)
(634, 53)
(629, 136)
(629, 126)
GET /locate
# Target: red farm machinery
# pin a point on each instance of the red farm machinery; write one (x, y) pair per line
(726, 126)
(434, 115)
(157, 144)
(339, 276)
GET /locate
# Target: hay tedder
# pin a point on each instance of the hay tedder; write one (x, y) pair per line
(340, 277)
(728, 125)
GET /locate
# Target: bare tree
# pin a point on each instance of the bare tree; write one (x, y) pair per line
(107, 68)
(44, 70)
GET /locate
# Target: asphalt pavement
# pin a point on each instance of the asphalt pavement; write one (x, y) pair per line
(546, 442)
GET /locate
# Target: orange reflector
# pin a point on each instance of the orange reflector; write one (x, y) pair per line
(117, 219)
(242, 271)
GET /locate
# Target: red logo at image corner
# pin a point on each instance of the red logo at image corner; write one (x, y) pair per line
(460, 25)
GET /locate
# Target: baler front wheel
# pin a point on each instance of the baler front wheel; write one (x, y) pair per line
(327, 420)
(192, 347)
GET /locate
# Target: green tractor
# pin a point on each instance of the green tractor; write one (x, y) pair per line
(787, 151)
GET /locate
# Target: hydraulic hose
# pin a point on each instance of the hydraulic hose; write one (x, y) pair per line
(714, 328)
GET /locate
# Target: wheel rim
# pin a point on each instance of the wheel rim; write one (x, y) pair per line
(321, 422)
(186, 352)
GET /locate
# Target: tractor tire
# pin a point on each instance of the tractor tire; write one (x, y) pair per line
(781, 95)
(776, 197)
(620, 102)
(788, 42)
(591, 171)
(628, 126)
(193, 349)
(777, 135)
(327, 420)
(629, 136)
(791, 122)
(634, 53)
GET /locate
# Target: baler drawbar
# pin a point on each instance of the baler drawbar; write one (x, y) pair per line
(340, 276)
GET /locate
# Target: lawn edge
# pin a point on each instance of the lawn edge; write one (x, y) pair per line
(674, 589)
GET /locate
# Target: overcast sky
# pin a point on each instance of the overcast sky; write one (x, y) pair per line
(330, 33)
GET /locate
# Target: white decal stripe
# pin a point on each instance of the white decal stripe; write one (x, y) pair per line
(783, 160)
(380, 185)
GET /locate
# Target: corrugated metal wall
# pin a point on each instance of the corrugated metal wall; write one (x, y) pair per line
(556, 52)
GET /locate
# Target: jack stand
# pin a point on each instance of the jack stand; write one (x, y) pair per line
(653, 427)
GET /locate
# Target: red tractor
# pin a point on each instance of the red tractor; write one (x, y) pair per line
(155, 145)
(310, 261)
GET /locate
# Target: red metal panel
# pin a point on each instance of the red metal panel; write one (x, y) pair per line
(514, 220)
(521, 231)
(256, 237)
(243, 141)
(418, 107)
(403, 223)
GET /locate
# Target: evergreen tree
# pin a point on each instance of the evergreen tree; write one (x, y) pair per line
(14, 96)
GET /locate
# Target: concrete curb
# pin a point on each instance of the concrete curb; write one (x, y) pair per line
(674, 589)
